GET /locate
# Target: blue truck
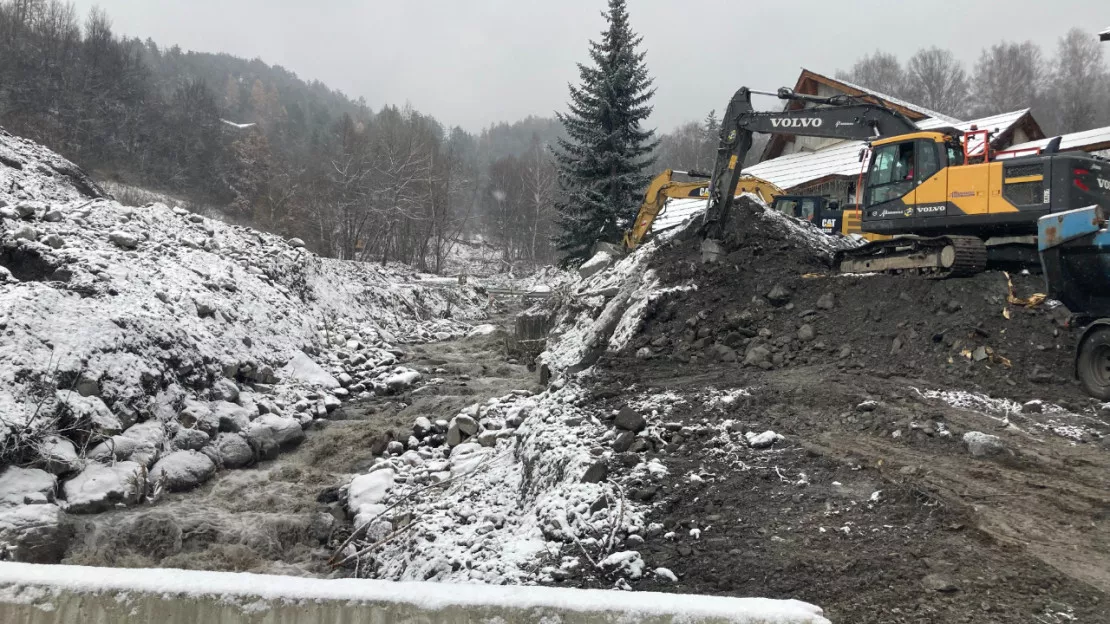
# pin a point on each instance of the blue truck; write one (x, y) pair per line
(1074, 247)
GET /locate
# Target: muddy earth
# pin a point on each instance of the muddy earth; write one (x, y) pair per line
(285, 516)
(867, 502)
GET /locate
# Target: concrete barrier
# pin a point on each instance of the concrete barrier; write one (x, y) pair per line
(42, 594)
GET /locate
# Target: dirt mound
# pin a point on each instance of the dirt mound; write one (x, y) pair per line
(773, 301)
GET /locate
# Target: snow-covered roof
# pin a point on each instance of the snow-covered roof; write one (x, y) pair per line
(897, 101)
(1088, 140)
(842, 159)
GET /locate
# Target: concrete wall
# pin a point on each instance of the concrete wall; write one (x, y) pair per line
(39, 594)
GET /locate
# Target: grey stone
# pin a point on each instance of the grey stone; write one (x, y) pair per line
(57, 455)
(979, 354)
(123, 240)
(422, 427)
(263, 441)
(287, 431)
(806, 333)
(623, 442)
(981, 444)
(225, 390)
(778, 295)
(204, 307)
(596, 473)
(190, 439)
(34, 533)
(1036, 406)
(53, 240)
(27, 486)
(488, 438)
(757, 356)
(99, 487)
(91, 409)
(197, 415)
(235, 451)
(53, 216)
(630, 420)
(466, 424)
(827, 301)
(230, 417)
(26, 210)
(25, 232)
(183, 470)
(296, 243)
(601, 261)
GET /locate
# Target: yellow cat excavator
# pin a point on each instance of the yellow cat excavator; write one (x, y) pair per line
(664, 187)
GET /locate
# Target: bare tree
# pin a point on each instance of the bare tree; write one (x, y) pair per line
(880, 72)
(1078, 93)
(1008, 77)
(937, 81)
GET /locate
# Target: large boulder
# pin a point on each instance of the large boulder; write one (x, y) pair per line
(190, 439)
(34, 533)
(225, 390)
(287, 431)
(198, 415)
(599, 262)
(183, 470)
(230, 417)
(26, 486)
(234, 450)
(100, 487)
(141, 443)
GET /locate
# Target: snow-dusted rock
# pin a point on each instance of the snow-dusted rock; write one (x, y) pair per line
(296, 243)
(53, 240)
(302, 368)
(25, 232)
(140, 443)
(625, 563)
(225, 390)
(53, 215)
(484, 329)
(183, 470)
(58, 455)
(981, 444)
(234, 450)
(595, 265)
(123, 240)
(26, 210)
(287, 431)
(421, 427)
(762, 440)
(229, 416)
(198, 415)
(91, 409)
(190, 439)
(331, 403)
(401, 380)
(26, 486)
(33, 533)
(100, 487)
(366, 494)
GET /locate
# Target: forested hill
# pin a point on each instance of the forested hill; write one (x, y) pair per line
(268, 147)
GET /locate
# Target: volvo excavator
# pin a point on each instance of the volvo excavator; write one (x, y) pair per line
(941, 194)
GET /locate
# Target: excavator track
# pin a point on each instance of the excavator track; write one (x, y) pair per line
(937, 256)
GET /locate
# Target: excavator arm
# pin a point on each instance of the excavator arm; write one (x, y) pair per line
(839, 117)
(664, 187)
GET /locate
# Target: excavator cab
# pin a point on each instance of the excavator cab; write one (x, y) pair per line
(815, 209)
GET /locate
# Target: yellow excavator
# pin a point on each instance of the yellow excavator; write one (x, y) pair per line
(664, 187)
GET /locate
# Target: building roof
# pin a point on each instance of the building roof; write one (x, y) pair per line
(809, 82)
(1104, 35)
(843, 159)
(1089, 141)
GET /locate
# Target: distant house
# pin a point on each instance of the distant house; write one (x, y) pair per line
(1104, 35)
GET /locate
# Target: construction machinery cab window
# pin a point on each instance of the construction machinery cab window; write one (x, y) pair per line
(899, 167)
(804, 208)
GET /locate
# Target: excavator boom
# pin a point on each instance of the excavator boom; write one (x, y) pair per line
(839, 117)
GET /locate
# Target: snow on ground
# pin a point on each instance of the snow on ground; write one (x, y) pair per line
(41, 586)
(112, 316)
(515, 472)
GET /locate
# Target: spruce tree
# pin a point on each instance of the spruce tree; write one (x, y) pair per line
(604, 162)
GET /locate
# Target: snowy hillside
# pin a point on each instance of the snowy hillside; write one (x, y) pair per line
(174, 344)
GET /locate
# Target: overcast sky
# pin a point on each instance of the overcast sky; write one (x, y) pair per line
(475, 62)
